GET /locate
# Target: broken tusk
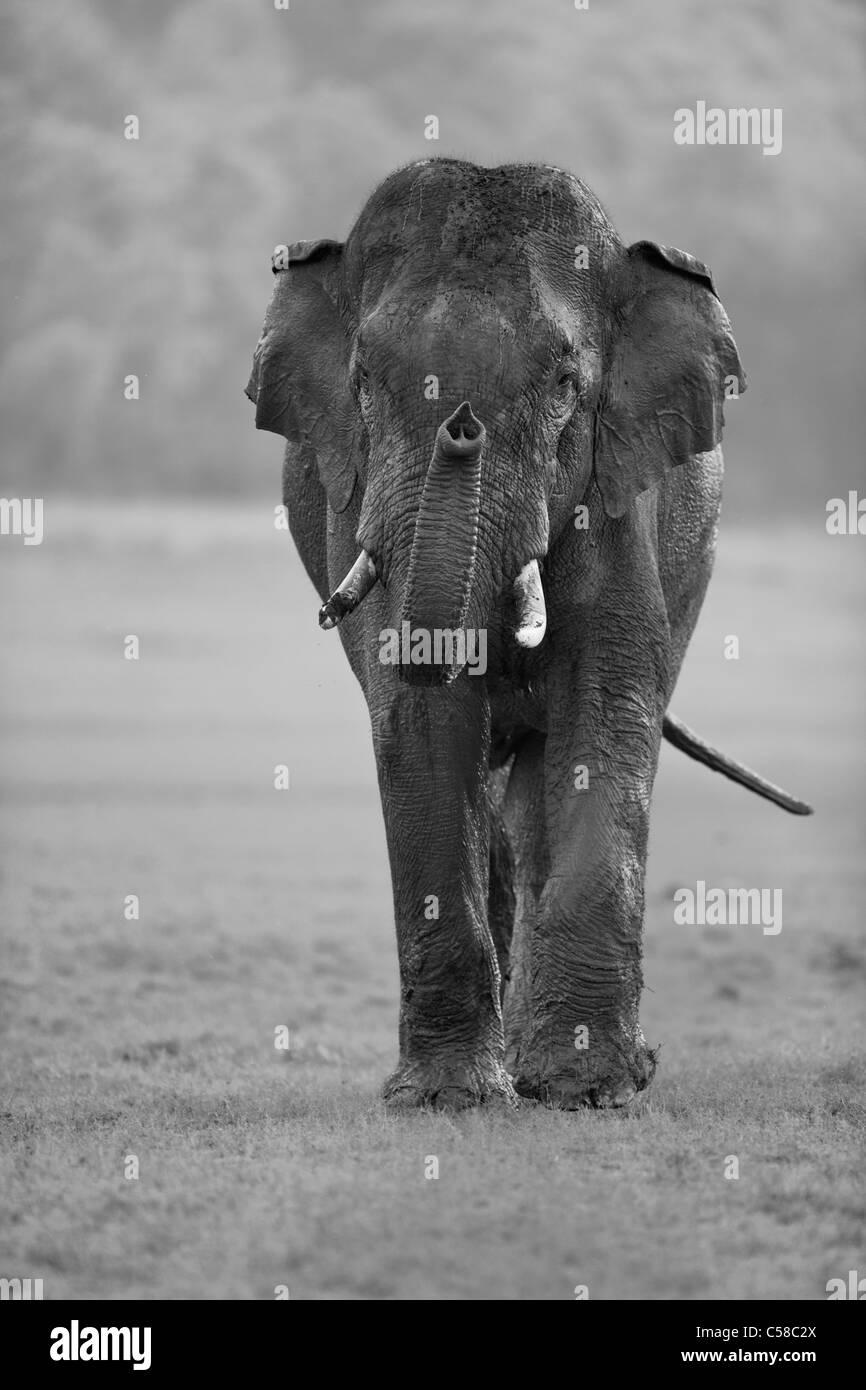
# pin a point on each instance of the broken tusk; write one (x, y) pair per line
(531, 610)
(346, 597)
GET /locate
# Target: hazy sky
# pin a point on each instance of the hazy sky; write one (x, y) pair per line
(259, 126)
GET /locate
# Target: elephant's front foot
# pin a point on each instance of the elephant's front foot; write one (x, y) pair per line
(595, 1070)
(449, 1085)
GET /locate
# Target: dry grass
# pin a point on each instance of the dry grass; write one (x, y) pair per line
(155, 1037)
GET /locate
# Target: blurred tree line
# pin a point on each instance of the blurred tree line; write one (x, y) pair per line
(260, 126)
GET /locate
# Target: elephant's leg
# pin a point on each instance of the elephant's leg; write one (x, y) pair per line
(584, 1043)
(432, 749)
(500, 893)
(524, 820)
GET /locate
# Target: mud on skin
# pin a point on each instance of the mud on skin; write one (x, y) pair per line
(452, 386)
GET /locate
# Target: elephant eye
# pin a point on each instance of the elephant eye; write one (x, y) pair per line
(361, 385)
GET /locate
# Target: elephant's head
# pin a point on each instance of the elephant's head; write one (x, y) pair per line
(479, 356)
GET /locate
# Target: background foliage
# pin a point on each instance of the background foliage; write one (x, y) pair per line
(260, 126)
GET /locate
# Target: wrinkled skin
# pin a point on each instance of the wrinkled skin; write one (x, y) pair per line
(600, 387)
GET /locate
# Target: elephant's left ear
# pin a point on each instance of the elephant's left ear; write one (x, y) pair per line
(671, 367)
(300, 378)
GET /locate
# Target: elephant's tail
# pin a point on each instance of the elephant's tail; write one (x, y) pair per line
(684, 738)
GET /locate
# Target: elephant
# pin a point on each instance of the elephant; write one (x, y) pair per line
(503, 430)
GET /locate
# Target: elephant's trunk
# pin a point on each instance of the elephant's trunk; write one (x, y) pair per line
(444, 547)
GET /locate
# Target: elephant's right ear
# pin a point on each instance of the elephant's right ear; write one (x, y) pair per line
(300, 379)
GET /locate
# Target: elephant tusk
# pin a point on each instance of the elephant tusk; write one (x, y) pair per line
(346, 597)
(531, 610)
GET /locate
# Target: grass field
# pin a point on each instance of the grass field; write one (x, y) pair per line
(260, 1168)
